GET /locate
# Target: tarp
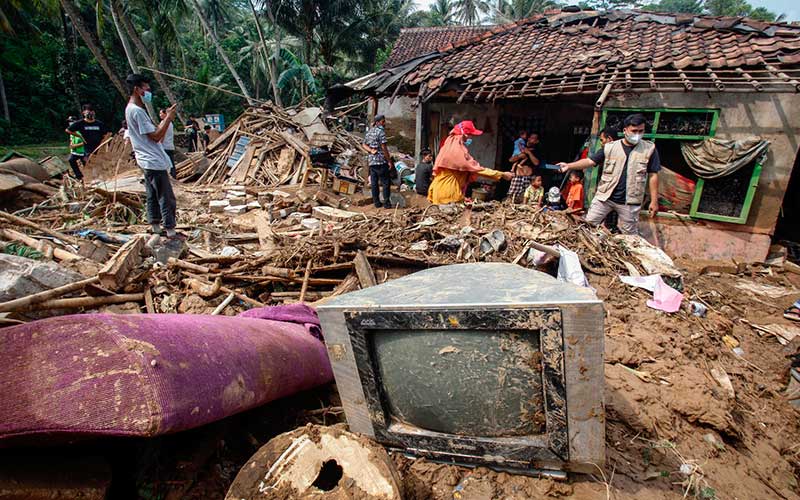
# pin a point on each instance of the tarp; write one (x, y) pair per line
(714, 158)
(152, 374)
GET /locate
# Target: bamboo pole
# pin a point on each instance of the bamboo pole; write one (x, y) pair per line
(25, 302)
(58, 253)
(86, 302)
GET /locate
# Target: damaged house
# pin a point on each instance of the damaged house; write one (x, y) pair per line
(721, 97)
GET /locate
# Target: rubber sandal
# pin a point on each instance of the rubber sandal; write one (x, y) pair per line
(792, 313)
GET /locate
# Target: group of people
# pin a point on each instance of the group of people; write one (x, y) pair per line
(630, 167)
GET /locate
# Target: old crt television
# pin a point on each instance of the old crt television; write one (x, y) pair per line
(486, 363)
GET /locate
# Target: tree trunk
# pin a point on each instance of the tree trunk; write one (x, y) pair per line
(72, 81)
(126, 44)
(77, 21)
(277, 30)
(148, 58)
(270, 66)
(6, 114)
(199, 12)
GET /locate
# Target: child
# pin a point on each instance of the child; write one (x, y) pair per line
(573, 193)
(534, 194)
(522, 179)
(77, 151)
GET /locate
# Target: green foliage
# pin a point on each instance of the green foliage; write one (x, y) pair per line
(737, 8)
(681, 6)
(507, 11)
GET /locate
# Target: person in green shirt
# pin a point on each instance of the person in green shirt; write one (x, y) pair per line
(77, 151)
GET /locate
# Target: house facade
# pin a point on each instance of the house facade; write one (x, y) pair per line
(568, 74)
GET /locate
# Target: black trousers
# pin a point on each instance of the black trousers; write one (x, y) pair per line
(172, 171)
(161, 204)
(380, 174)
(73, 162)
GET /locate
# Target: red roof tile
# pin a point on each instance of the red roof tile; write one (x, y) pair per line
(587, 42)
(415, 42)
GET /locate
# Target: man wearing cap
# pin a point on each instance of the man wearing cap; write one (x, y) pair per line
(380, 161)
(455, 168)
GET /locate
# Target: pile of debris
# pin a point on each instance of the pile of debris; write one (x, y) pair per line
(272, 146)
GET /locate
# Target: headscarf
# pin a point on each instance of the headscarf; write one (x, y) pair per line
(453, 154)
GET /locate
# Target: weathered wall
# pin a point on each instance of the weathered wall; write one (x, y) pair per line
(400, 122)
(775, 117)
(484, 116)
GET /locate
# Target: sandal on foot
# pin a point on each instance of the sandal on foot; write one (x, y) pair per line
(792, 312)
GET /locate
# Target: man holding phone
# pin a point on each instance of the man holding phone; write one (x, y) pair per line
(146, 140)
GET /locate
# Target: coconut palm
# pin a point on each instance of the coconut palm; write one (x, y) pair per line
(195, 5)
(441, 13)
(470, 12)
(507, 11)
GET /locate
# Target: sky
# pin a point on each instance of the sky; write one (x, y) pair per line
(789, 7)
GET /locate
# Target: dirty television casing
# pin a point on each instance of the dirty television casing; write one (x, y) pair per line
(488, 363)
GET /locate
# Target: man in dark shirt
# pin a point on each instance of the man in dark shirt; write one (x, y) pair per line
(423, 173)
(93, 131)
(616, 192)
(191, 133)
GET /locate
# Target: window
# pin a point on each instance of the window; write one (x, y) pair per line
(727, 199)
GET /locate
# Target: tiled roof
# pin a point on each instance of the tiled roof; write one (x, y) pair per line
(414, 42)
(584, 51)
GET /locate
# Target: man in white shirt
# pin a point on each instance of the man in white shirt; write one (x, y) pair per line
(152, 159)
(169, 143)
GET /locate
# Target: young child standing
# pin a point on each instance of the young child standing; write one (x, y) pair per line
(573, 193)
(534, 194)
(77, 151)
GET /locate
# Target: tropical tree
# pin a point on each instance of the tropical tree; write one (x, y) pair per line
(507, 11)
(94, 46)
(441, 13)
(126, 45)
(215, 40)
(679, 6)
(470, 12)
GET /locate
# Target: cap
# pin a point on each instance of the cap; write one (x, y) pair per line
(467, 128)
(378, 118)
(553, 195)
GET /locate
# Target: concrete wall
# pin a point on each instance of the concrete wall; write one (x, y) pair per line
(484, 116)
(400, 122)
(774, 117)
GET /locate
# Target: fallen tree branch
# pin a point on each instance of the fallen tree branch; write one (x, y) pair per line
(23, 303)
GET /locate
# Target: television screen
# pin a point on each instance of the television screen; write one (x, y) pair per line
(463, 382)
(474, 363)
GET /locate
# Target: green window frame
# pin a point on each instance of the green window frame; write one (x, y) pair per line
(653, 135)
(748, 200)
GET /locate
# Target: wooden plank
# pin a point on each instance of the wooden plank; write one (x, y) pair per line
(240, 173)
(266, 236)
(366, 276)
(113, 274)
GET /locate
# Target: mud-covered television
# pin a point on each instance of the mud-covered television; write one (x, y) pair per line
(486, 363)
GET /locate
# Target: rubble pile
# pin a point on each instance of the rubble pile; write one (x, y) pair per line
(270, 146)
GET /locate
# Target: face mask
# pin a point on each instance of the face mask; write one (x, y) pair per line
(148, 96)
(468, 142)
(633, 138)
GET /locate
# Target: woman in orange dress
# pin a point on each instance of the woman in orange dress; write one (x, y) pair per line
(455, 168)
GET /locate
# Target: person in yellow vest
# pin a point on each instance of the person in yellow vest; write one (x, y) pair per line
(626, 165)
(455, 168)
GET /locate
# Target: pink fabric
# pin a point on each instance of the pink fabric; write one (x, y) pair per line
(150, 374)
(454, 156)
(665, 298)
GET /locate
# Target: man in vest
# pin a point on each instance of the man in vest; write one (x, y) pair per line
(626, 164)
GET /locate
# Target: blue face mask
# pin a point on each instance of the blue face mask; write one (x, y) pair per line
(468, 142)
(148, 96)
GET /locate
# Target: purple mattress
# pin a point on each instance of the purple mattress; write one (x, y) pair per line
(145, 375)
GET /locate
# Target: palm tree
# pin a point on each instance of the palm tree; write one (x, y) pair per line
(126, 45)
(470, 12)
(149, 60)
(213, 36)
(74, 15)
(268, 61)
(508, 11)
(442, 13)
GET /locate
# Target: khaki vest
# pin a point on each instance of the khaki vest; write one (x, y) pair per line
(637, 171)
